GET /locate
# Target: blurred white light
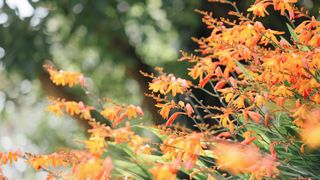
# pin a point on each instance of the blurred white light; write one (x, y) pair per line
(41, 12)
(23, 6)
(77, 8)
(3, 18)
(35, 21)
(31, 148)
(54, 124)
(21, 140)
(6, 142)
(41, 175)
(10, 107)
(8, 172)
(2, 100)
(123, 6)
(25, 86)
(21, 165)
(2, 52)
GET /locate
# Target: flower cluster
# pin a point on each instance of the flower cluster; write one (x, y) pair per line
(184, 148)
(71, 107)
(259, 7)
(65, 77)
(165, 84)
(234, 158)
(116, 113)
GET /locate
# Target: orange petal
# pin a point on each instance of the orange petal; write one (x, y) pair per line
(233, 82)
(273, 151)
(189, 109)
(248, 140)
(256, 117)
(224, 134)
(266, 120)
(302, 148)
(220, 84)
(173, 117)
(245, 115)
(204, 81)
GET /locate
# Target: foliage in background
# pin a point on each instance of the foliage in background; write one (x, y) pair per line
(95, 38)
(99, 38)
(268, 89)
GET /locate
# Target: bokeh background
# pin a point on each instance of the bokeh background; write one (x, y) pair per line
(107, 40)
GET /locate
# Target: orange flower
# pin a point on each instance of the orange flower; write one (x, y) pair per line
(178, 86)
(133, 111)
(71, 107)
(269, 36)
(189, 109)
(300, 114)
(260, 100)
(283, 5)
(93, 168)
(105, 171)
(166, 83)
(111, 112)
(186, 148)
(310, 133)
(265, 167)
(204, 81)
(239, 102)
(95, 144)
(256, 117)
(203, 66)
(164, 171)
(159, 84)
(11, 156)
(55, 108)
(259, 8)
(64, 77)
(165, 108)
(308, 32)
(234, 157)
(53, 160)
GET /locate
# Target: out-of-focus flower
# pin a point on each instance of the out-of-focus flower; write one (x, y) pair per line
(234, 157)
(165, 171)
(311, 129)
(239, 158)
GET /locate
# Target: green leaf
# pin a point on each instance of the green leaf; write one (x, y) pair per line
(283, 39)
(295, 38)
(152, 130)
(244, 70)
(292, 33)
